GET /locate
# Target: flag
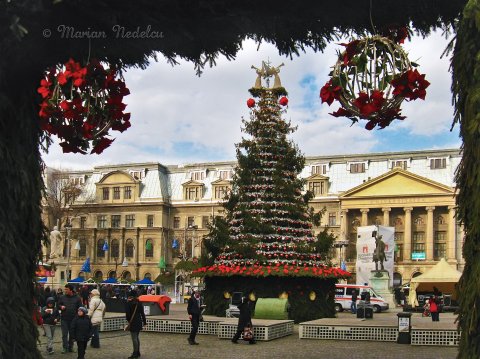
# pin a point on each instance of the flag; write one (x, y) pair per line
(343, 265)
(86, 266)
(105, 246)
(162, 264)
(175, 243)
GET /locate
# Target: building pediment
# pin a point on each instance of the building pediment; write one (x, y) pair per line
(317, 177)
(398, 182)
(222, 182)
(117, 177)
(192, 183)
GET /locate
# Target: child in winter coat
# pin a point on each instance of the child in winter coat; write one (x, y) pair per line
(51, 317)
(81, 331)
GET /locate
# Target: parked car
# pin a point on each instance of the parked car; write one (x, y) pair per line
(343, 297)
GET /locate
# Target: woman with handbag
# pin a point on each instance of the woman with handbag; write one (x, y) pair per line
(96, 312)
(245, 326)
(136, 321)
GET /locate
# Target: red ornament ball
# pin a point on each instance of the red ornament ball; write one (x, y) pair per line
(283, 101)
(250, 102)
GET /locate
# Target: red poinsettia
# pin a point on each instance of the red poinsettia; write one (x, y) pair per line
(81, 104)
(397, 33)
(351, 50)
(369, 104)
(410, 85)
(250, 102)
(283, 101)
(329, 93)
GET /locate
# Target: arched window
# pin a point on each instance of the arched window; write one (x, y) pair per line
(149, 248)
(83, 247)
(100, 251)
(112, 274)
(129, 248)
(147, 275)
(439, 220)
(416, 274)
(398, 222)
(378, 221)
(418, 221)
(115, 248)
(99, 275)
(126, 275)
(356, 223)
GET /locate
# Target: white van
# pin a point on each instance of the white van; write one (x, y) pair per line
(343, 297)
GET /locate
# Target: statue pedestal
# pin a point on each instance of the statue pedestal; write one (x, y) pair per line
(60, 278)
(380, 282)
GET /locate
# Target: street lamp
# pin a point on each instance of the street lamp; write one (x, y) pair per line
(68, 228)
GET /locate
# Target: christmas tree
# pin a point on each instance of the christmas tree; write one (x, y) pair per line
(267, 232)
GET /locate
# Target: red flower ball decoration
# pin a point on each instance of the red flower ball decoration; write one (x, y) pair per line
(283, 101)
(371, 79)
(81, 104)
(250, 102)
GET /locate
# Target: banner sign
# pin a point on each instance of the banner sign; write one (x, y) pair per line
(366, 247)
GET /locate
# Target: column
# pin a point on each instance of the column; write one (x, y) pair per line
(451, 235)
(343, 225)
(386, 216)
(407, 239)
(364, 216)
(429, 234)
(93, 248)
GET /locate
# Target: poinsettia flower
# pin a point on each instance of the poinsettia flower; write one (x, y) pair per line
(341, 112)
(101, 145)
(329, 93)
(350, 50)
(410, 85)
(67, 148)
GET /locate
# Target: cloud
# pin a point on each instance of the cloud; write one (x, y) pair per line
(178, 117)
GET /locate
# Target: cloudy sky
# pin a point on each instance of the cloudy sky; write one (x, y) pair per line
(180, 118)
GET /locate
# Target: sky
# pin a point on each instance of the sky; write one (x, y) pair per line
(180, 118)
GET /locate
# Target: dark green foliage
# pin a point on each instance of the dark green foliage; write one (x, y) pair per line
(187, 266)
(298, 289)
(324, 242)
(215, 240)
(466, 95)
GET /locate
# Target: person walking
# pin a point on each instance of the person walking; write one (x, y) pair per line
(51, 317)
(135, 316)
(68, 304)
(244, 321)
(194, 310)
(81, 331)
(353, 306)
(434, 310)
(96, 312)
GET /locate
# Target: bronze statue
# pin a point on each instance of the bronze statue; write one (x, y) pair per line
(379, 252)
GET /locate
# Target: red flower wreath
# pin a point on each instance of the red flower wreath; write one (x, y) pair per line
(81, 104)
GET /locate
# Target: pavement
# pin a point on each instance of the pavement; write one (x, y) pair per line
(117, 345)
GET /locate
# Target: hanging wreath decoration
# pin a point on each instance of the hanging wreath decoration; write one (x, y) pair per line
(371, 78)
(81, 104)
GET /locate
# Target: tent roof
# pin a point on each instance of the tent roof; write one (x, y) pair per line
(442, 272)
(77, 280)
(145, 281)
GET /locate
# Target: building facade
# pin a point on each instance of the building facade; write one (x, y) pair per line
(132, 220)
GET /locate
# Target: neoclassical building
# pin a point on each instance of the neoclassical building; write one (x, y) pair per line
(148, 215)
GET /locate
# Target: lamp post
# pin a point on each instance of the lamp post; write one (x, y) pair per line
(68, 228)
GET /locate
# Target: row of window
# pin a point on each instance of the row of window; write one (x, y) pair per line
(127, 193)
(398, 222)
(114, 248)
(200, 175)
(115, 221)
(191, 222)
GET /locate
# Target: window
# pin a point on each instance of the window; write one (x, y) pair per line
(130, 221)
(101, 221)
(399, 252)
(83, 247)
(192, 193)
(115, 248)
(378, 221)
(190, 221)
(398, 222)
(317, 188)
(148, 248)
(418, 239)
(198, 175)
(137, 174)
(116, 192)
(127, 192)
(98, 275)
(100, 251)
(129, 247)
(437, 163)
(225, 174)
(106, 194)
(400, 164)
(332, 219)
(319, 169)
(115, 221)
(83, 222)
(221, 191)
(150, 220)
(147, 275)
(176, 222)
(205, 221)
(357, 167)
(440, 245)
(439, 220)
(419, 221)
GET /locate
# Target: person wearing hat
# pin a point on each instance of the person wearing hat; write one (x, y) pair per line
(96, 312)
(51, 317)
(136, 321)
(81, 331)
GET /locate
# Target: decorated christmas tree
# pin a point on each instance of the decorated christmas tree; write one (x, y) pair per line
(265, 244)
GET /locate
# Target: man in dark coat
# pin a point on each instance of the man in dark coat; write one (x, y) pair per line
(81, 331)
(136, 318)
(244, 320)
(68, 304)
(194, 309)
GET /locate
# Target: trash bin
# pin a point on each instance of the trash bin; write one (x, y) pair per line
(404, 328)
(155, 304)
